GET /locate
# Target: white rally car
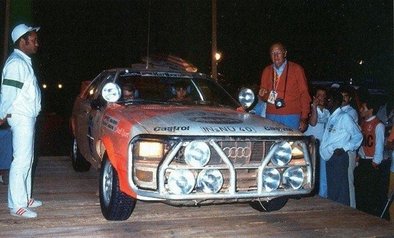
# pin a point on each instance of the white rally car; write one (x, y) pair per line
(200, 149)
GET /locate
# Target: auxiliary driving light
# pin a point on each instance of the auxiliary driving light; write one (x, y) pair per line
(271, 179)
(210, 181)
(197, 154)
(294, 176)
(246, 97)
(111, 92)
(282, 155)
(181, 181)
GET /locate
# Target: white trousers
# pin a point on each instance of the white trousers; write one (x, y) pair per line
(352, 166)
(19, 187)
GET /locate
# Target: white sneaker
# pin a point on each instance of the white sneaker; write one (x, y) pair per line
(34, 203)
(23, 212)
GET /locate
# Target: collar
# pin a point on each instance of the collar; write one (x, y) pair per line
(22, 54)
(337, 111)
(281, 68)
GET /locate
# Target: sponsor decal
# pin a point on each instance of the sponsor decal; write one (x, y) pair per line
(122, 132)
(110, 122)
(273, 128)
(172, 128)
(216, 120)
(210, 117)
(210, 129)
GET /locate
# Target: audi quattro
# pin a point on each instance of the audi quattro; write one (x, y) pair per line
(199, 150)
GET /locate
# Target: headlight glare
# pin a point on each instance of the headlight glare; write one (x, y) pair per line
(271, 179)
(181, 181)
(150, 149)
(210, 180)
(282, 155)
(294, 176)
(197, 154)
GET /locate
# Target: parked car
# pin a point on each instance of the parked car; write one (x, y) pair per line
(199, 150)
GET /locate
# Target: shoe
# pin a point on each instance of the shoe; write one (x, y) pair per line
(23, 212)
(34, 203)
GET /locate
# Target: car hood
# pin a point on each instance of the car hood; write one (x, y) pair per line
(198, 121)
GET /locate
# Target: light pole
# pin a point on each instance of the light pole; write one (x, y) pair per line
(214, 42)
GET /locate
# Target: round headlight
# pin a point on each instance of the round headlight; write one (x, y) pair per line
(181, 181)
(271, 179)
(197, 153)
(111, 92)
(294, 176)
(282, 155)
(209, 181)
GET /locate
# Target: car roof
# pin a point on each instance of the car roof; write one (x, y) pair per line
(155, 71)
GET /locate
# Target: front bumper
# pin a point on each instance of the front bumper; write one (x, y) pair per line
(243, 181)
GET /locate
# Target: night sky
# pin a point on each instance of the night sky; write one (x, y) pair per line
(79, 38)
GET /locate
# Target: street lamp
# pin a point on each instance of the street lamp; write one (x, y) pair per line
(218, 57)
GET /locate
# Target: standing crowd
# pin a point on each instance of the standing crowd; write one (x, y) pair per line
(354, 149)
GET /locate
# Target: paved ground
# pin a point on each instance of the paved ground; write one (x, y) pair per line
(71, 209)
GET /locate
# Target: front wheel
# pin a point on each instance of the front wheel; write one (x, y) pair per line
(115, 205)
(271, 205)
(80, 164)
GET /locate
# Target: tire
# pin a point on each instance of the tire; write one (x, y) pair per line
(115, 205)
(80, 164)
(269, 206)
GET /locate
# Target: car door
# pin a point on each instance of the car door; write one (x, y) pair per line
(89, 114)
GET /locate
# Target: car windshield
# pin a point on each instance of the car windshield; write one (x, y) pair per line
(173, 90)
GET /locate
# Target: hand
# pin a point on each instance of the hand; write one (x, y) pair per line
(4, 120)
(263, 94)
(303, 125)
(240, 109)
(375, 165)
(315, 102)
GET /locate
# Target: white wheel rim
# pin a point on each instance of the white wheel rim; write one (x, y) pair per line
(107, 182)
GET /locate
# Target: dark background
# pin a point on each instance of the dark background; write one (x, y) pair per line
(79, 38)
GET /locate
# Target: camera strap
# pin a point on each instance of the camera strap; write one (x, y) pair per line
(273, 78)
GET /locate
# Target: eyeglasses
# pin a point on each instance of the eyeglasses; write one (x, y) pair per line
(276, 52)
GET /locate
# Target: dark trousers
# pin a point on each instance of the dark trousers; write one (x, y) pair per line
(371, 186)
(337, 178)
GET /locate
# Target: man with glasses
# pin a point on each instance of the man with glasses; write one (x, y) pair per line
(284, 87)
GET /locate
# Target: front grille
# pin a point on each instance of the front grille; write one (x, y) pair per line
(240, 152)
(246, 156)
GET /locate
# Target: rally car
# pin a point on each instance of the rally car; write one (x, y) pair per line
(202, 149)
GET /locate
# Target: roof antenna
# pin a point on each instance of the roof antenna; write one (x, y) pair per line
(147, 48)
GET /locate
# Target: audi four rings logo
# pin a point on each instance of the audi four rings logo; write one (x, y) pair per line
(237, 152)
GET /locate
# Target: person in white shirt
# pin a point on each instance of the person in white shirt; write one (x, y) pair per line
(341, 135)
(349, 106)
(20, 103)
(317, 123)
